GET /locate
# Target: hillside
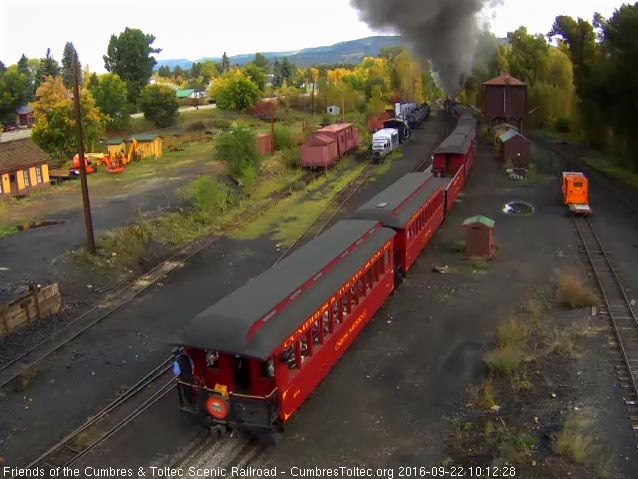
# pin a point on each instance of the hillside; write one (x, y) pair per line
(345, 52)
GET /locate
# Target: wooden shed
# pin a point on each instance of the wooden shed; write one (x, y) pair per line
(150, 146)
(514, 147)
(115, 145)
(478, 236)
(501, 128)
(264, 143)
(24, 166)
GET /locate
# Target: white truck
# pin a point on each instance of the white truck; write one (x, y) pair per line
(384, 141)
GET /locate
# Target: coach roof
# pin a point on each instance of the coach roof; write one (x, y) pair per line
(395, 205)
(225, 326)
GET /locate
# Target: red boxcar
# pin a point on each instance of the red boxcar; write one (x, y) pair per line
(319, 151)
(258, 353)
(344, 134)
(414, 207)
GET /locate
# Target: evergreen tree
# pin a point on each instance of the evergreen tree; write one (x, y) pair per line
(261, 61)
(164, 71)
(225, 63)
(277, 79)
(23, 67)
(67, 66)
(48, 67)
(93, 81)
(3, 68)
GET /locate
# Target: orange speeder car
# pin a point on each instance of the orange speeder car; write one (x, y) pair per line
(575, 188)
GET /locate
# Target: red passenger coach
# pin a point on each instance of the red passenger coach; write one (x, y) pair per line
(258, 353)
(413, 206)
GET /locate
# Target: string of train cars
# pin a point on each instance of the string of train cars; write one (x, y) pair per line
(250, 360)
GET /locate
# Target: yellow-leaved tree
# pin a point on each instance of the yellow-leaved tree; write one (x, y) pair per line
(54, 130)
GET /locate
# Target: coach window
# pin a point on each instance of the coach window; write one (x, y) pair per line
(371, 275)
(334, 315)
(345, 306)
(375, 270)
(362, 285)
(386, 261)
(298, 357)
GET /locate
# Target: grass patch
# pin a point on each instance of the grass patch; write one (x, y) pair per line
(7, 230)
(483, 395)
(504, 360)
(576, 441)
(510, 351)
(572, 292)
(613, 169)
(292, 215)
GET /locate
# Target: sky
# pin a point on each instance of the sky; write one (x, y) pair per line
(201, 28)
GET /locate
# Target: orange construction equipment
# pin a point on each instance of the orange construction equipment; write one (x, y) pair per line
(575, 187)
(88, 165)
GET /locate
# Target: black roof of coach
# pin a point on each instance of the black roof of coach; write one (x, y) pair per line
(395, 205)
(225, 325)
(458, 141)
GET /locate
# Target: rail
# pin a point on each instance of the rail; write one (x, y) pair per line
(618, 308)
(70, 449)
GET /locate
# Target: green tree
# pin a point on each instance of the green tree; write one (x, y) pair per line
(24, 68)
(237, 148)
(3, 67)
(93, 81)
(159, 105)
(196, 70)
(613, 87)
(261, 61)
(528, 55)
(130, 56)
(110, 97)
(55, 117)
(225, 63)
(48, 66)
(178, 71)
(164, 71)
(67, 66)
(209, 70)
(13, 92)
(234, 91)
(256, 75)
(579, 41)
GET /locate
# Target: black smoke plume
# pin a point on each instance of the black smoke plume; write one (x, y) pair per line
(444, 32)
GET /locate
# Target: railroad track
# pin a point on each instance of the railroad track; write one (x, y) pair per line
(116, 415)
(223, 455)
(619, 311)
(323, 220)
(122, 295)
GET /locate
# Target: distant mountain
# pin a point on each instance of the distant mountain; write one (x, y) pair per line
(352, 51)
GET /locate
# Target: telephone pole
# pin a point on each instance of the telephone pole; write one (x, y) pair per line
(85, 187)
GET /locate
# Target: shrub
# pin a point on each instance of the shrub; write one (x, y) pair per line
(290, 157)
(263, 109)
(284, 138)
(208, 195)
(504, 360)
(201, 125)
(237, 148)
(572, 291)
(221, 124)
(159, 105)
(575, 441)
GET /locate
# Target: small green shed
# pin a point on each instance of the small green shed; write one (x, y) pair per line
(478, 236)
